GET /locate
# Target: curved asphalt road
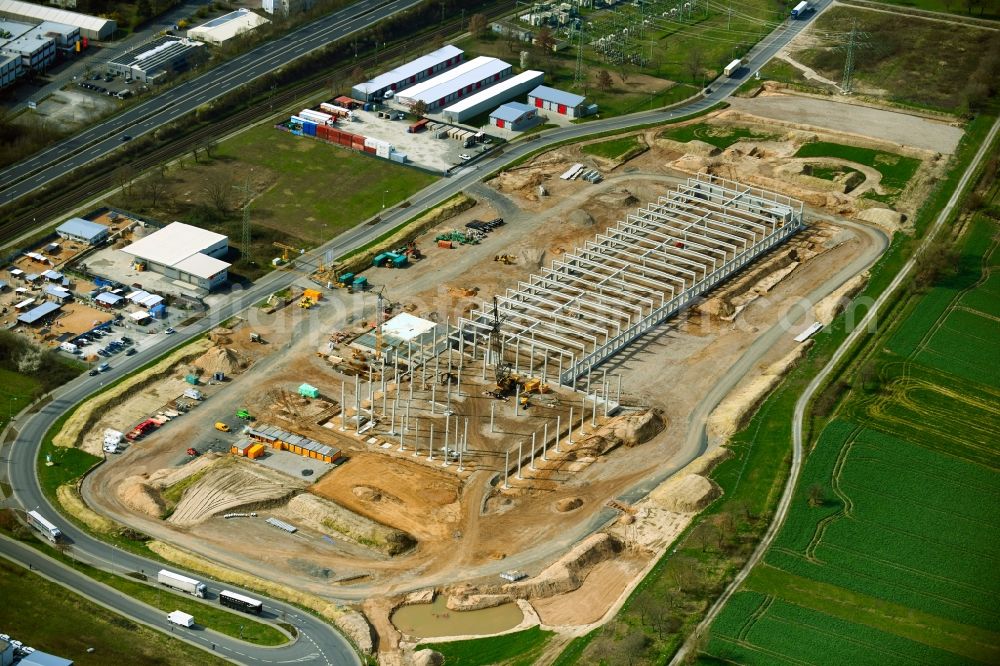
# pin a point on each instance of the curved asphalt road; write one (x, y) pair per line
(803, 402)
(318, 642)
(106, 137)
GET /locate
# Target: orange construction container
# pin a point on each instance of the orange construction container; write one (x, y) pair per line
(255, 451)
(236, 451)
(312, 294)
(444, 244)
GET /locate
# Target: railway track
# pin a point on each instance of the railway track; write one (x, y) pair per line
(85, 184)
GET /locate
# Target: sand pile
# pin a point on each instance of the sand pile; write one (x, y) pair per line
(687, 494)
(222, 359)
(221, 335)
(137, 494)
(581, 218)
(569, 504)
(427, 658)
(884, 218)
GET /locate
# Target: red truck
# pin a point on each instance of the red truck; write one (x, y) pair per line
(142, 429)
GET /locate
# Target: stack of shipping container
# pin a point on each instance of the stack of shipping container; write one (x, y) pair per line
(323, 125)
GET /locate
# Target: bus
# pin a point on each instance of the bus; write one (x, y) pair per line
(48, 530)
(240, 602)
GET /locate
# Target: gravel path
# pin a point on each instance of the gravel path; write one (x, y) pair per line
(892, 126)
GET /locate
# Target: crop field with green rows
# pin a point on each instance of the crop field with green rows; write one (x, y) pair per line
(891, 549)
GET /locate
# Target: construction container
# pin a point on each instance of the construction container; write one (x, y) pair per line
(312, 294)
(445, 244)
(315, 116)
(398, 260)
(255, 451)
(308, 391)
(309, 129)
(369, 149)
(192, 379)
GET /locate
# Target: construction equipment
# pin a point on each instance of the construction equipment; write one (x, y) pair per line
(255, 337)
(506, 259)
(413, 252)
(244, 414)
(306, 303)
(286, 250)
(502, 370)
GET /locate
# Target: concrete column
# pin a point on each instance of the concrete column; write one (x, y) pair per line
(519, 456)
(416, 438)
(517, 398)
(558, 431)
(460, 466)
(517, 354)
(583, 413)
(407, 426)
(459, 387)
(343, 406)
(606, 397)
(433, 396)
(493, 411)
(560, 369)
(465, 436)
(447, 432)
(593, 413)
(618, 399)
(590, 369)
(506, 467)
(532, 465)
(570, 436)
(430, 444)
(531, 357)
(545, 441)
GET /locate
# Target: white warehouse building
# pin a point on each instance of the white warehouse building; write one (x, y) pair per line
(223, 28)
(183, 252)
(409, 74)
(469, 77)
(90, 27)
(488, 99)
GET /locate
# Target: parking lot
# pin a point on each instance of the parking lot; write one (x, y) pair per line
(423, 148)
(110, 85)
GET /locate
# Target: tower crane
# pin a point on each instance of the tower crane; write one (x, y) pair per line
(500, 367)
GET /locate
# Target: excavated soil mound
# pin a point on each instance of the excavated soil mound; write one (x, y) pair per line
(136, 494)
(885, 218)
(329, 517)
(222, 359)
(569, 504)
(690, 494)
(370, 494)
(581, 217)
(221, 335)
(633, 429)
(228, 488)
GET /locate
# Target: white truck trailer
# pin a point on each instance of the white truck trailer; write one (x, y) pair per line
(48, 530)
(799, 10)
(181, 619)
(182, 583)
(733, 67)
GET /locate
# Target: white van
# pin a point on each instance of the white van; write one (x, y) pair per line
(69, 348)
(181, 619)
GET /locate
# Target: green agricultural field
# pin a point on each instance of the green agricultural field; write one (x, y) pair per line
(518, 649)
(613, 149)
(890, 551)
(80, 624)
(719, 136)
(985, 9)
(909, 60)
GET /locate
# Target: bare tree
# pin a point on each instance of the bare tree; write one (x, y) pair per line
(545, 40)
(124, 176)
(358, 74)
(210, 145)
(634, 646)
(218, 189)
(153, 189)
(30, 360)
(623, 71)
(694, 63)
(604, 81)
(477, 25)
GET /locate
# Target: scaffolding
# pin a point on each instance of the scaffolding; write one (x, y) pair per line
(591, 303)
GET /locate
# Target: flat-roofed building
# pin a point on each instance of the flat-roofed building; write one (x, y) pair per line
(10, 69)
(82, 231)
(159, 59)
(407, 75)
(455, 84)
(90, 27)
(484, 100)
(514, 117)
(186, 253)
(223, 28)
(560, 101)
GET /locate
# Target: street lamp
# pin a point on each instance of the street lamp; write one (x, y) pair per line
(384, 192)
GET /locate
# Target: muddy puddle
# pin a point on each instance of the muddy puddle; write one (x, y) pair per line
(436, 619)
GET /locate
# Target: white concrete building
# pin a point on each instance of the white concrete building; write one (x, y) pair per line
(485, 100)
(559, 101)
(466, 79)
(514, 117)
(159, 59)
(227, 26)
(183, 252)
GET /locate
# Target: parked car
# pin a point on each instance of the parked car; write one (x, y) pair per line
(465, 157)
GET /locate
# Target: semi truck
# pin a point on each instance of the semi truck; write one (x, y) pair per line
(182, 583)
(48, 530)
(801, 9)
(733, 68)
(240, 602)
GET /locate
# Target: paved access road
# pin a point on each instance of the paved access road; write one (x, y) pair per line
(318, 642)
(105, 137)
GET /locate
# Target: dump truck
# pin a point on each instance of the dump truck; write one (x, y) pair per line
(182, 583)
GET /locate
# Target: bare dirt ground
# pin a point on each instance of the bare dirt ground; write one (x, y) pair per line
(461, 520)
(894, 126)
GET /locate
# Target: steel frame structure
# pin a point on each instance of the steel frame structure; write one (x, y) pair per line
(591, 303)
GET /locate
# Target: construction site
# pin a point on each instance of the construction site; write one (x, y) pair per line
(526, 401)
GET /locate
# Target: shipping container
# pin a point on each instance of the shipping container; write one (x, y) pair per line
(369, 150)
(255, 451)
(315, 116)
(444, 244)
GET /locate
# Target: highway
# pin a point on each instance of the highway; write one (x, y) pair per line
(798, 417)
(101, 139)
(318, 642)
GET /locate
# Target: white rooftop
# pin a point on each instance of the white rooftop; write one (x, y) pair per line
(497, 90)
(405, 326)
(227, 26)
(173, 243)
(27, 9)
(201, 265)
(452, 80)
(411, 68)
